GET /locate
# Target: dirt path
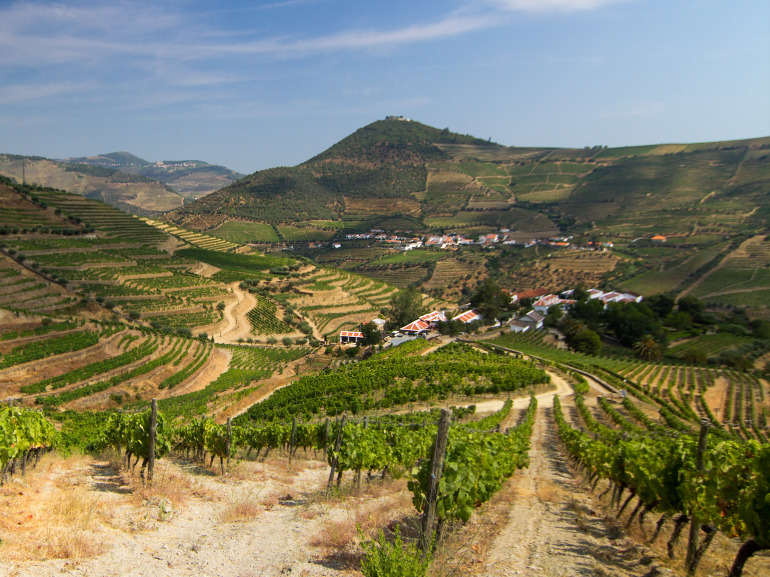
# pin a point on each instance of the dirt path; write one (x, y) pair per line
(551, 527)
(234, 325)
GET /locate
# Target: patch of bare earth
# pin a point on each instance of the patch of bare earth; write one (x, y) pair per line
(85, 517)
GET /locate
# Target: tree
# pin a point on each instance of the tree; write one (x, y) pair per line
(631, 322)
(692, 305)
(372, 334)
(405, 307)
(220, 306)
(661, 304)
(648, 349)
(490, 300)
(588, 342)
(555, 314)
(580, 293)
(451, 328)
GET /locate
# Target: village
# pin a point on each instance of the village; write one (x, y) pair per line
(537, 303)
(453, 241)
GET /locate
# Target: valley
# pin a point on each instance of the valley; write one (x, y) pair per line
(280, 355)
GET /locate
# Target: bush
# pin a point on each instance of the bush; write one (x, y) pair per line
(383, 559)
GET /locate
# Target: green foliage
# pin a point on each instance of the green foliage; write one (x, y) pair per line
(385, 559)
(490, 300)
(23, 430)
(587, 341)
(405, 306)
(475, 466)
(392, 380)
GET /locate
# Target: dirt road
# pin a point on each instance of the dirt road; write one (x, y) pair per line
(551, 527)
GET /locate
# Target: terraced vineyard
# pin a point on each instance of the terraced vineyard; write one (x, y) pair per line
(198, 239)
(335, 299)
(736, 402)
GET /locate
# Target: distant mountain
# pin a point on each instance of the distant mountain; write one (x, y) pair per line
(122, 179)
(129, 192)
(190, 178)
(119, 160)
(400, 174)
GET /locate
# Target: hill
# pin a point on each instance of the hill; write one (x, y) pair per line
(190, 178)
(398, 174)
(395, 175)
(122, 180)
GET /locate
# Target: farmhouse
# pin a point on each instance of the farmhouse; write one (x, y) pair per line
(351, 337)
(530, 294)
(518, 327)
(434, 318)
(417, 327)
(544, 303)
(468, 316)
(533, 318)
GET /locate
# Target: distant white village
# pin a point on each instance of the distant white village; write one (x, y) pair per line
(541, 302)
(452, 241)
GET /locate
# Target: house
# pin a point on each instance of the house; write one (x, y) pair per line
(518, 327)
(533, 318)
(545, 302)
(351, 336)
(530, 294)
(434, 318)
(417, 327)
(658, 238)
(468, 316)
(380, 323)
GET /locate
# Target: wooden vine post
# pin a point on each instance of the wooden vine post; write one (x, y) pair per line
(229, 444)
(326, 438)
(337, 445)
(437, 468)
(692, 542)
(151, 442)
(358, 469)
(293, 436)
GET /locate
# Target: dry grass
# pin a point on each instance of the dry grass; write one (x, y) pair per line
(377, 505)
(50, 514)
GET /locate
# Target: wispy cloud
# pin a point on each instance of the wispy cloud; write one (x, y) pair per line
(25, 93)
(553, 5)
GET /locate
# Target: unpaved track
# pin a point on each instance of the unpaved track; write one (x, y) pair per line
(551, 528)
(235, 325)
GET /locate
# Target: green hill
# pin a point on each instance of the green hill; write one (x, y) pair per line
(442, 181)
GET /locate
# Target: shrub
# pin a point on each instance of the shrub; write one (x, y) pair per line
(383, 559)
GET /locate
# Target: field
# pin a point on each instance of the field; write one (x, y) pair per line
(245, 232)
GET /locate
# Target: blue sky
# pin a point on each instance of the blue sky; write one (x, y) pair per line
(252, 85)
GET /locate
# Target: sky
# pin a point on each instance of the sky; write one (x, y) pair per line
(254, 84)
